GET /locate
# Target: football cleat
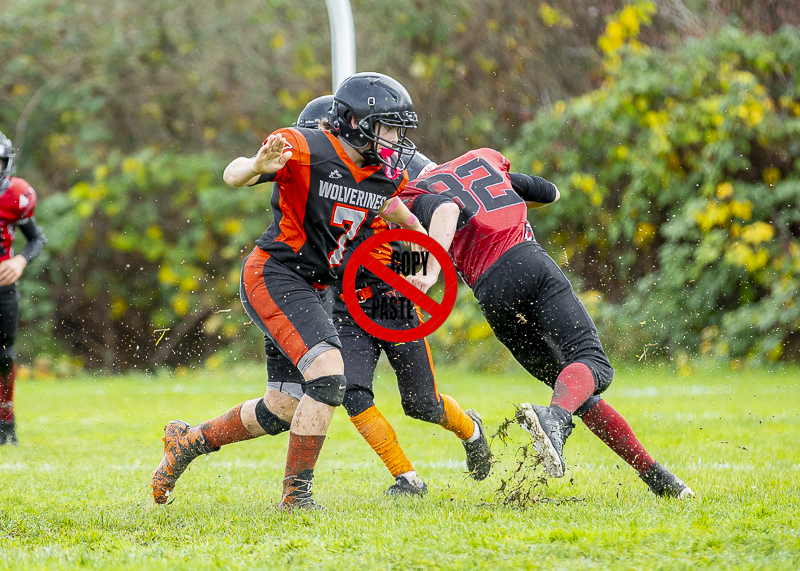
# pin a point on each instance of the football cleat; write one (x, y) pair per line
(182, 444)
(479, 457)
(665, 484)
(405, 487)
(8, 432)
(297, 492)
(550, 426)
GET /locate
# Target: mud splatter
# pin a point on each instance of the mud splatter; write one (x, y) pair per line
(524, 484)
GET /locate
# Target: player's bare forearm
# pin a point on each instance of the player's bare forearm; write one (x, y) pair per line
(271, 158)
(11, 269)
(396, 212)
(443, 224)
(442, 229)
(240, 172)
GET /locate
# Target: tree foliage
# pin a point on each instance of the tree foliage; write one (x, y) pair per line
(124, 114)
(680, 178)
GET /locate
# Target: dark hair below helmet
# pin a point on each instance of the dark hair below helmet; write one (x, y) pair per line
(374, 100)
(416, 164)
(315, 111)
(6, 162)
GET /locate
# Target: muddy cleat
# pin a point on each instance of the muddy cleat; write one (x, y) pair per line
(665, 484)
(297, 492)
(550, 427)
(182, 444)
(479, 457)
(404, 486)
(8, 432)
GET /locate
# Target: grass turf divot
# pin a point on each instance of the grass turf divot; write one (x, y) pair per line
(523, 483)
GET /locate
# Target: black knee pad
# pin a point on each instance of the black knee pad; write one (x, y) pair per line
(269, 421)
(328, 389)
(426, 410)
(590, 403)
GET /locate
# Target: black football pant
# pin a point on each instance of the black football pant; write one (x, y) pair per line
(533, 310)
(9, 320)
(411, 362)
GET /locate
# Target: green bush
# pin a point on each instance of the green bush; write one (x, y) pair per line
(680, 179)
(145, 256)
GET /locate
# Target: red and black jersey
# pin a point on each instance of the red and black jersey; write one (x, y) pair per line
(321, 201)
(17, 203)
(493, 217)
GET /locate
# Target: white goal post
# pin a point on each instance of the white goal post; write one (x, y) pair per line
(343, 40)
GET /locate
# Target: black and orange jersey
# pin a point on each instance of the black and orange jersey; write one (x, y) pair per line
(382, 253)
(320, 202)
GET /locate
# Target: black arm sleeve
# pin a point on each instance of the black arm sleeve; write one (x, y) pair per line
(264, 178)
(533, 188)
(36, 239)
(425, 205)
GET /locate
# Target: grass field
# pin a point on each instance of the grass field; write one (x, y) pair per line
(75, 493)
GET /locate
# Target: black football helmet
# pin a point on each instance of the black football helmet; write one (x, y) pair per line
(374, 100)
(315, 111)
(6, 162)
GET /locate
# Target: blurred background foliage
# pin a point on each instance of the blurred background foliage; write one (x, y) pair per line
(670, 130)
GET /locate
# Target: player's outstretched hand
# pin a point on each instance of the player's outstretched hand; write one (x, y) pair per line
(271, 156)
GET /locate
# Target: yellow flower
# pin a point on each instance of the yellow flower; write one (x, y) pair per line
(628, 19)
(232, 226)
(100, 172)
(771, 175)
(167, 276)
(742, 210)
(724, 190)
(758, 232)
(118, 307)
(180, 303)
(645, 232)
(132, 165)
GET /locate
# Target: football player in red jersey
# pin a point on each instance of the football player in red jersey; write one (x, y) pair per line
(476, 208)
(17, 203)
(328, 186)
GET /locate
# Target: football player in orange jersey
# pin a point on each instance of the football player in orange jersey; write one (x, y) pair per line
(328, 185)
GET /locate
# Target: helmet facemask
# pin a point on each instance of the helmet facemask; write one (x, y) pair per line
(366, 136)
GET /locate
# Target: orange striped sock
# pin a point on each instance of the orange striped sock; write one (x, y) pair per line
(379, 434)
(456, 420)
